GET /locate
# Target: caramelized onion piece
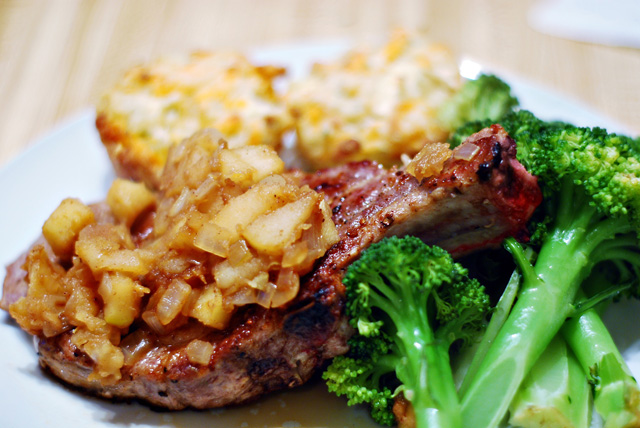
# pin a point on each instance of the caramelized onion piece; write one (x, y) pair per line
(135, 345)
(429, 161)
(172, 301)
(466, 151)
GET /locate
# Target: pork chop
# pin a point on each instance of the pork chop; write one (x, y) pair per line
(474, 202)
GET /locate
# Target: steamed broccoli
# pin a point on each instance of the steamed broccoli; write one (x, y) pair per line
(409, 302)
(520, 125)
(616, 392)
(591, 183)
(486, 97)
(555, 393)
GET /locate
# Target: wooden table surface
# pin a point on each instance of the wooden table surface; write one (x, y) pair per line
(58, 56)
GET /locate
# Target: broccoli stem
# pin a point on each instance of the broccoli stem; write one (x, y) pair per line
(426, 372)
(436, 403)
(545, 301)
(555, 393)
(616, 393)
(498, 318)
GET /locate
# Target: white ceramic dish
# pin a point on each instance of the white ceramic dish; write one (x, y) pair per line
(70, 161)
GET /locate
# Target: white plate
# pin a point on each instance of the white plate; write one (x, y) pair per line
(70, 162)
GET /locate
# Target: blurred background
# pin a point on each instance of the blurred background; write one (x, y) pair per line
(58, 56)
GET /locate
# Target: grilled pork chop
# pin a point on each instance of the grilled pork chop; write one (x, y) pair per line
(474, 202)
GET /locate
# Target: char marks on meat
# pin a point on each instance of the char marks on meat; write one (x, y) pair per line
(472, 203)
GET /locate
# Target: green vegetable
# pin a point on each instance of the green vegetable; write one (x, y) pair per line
(554, 394)
(486, 97)
(498, 317)
(409, 303)
(616, 393)
(591, 183)
(617, 396)
(521, 125)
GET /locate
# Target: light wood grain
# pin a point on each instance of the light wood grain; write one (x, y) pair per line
(58, 56)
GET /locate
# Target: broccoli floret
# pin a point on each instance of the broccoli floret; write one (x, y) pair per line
(591, 183)
(521, 125)
(408, 302)
(360, 381)
(486, 97)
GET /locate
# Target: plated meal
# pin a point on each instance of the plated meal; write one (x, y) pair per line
(212, 272)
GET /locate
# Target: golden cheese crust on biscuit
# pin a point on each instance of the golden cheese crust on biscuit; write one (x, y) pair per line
(376, 104)
(157, 105)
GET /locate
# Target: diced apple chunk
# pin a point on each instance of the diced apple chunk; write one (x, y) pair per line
(214, 239)
(102, 248)
(121, 297)
(210, 310)
(199, 352)
(273, 232)
(235, 168)
(263, 159)
(329, 233)
(62, 228)
(268, 194)
(128, 199)
(228, 275)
